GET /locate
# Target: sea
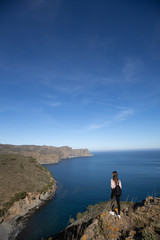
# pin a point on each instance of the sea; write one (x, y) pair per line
(85, 181)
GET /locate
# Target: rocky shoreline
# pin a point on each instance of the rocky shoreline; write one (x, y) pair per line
(14, 221)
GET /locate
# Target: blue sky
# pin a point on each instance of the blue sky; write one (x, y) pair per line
(80, 73)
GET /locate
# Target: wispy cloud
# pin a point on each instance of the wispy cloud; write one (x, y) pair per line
(76, 84)
(54, 104)
(123, 115)
(51, 101)
(94, 126)
(132, 69)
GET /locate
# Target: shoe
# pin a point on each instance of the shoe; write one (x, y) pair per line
(119, 216)
(112, 213)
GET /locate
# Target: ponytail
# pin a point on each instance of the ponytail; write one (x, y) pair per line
(115, 177)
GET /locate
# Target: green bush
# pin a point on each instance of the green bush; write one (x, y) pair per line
(20, 195)
(79, 215)
(71, 220)
(17, 197)
(147, 234)
(90, 207)
(45, 189)
(32, 160)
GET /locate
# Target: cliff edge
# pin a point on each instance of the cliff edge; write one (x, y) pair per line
(138, 221)
(24, 186)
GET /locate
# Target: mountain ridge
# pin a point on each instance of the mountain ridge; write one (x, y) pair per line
(44, 154)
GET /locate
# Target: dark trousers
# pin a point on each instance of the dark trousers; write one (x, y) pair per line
(117, 198)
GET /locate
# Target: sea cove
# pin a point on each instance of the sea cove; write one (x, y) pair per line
(86, 181)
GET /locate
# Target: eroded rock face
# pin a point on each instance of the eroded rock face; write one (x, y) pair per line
(44, 154)
(9, 226)
(23, 206)
(25, 185)
(138, 221)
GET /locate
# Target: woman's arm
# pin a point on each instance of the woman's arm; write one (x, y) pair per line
(112, 184)
(120, 184)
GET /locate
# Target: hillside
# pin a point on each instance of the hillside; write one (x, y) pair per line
(24, 185)
(44, 154)
(138, 221)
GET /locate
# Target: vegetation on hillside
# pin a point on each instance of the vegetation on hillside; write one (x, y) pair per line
(20, 175)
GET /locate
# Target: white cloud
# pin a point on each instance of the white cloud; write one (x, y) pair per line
(123, 115)
(94, 126)
(53, 104)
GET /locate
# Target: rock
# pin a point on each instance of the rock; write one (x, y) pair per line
(149, 200)
(132, 233)
(100, 225)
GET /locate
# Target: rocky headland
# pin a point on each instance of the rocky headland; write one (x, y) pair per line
(24, 186)
(44, 154)
(139, 221)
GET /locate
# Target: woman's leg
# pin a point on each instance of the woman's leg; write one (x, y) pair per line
(118, 204)
(112, 201)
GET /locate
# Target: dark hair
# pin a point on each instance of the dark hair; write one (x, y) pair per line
(115, 177)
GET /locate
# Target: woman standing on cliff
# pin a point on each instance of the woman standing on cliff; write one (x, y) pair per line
(116, 187)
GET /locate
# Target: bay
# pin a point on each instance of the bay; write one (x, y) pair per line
(86, 181)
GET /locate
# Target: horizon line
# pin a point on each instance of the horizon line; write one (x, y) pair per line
(124, 149)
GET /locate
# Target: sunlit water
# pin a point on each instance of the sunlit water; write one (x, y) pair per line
(86, 181)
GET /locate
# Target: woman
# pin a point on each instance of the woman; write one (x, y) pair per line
(115, 194)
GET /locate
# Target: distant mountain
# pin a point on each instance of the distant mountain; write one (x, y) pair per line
(44, 154)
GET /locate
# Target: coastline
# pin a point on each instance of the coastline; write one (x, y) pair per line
(13, 223)
(14, 227)
(16, 217)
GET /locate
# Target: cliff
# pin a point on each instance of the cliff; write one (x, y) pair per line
(44, 154)
(138, 221)
(24, 186)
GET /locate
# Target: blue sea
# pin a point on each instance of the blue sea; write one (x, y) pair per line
(86, 181)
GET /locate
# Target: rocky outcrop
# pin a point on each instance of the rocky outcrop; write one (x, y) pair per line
(24, 186)
(44, 154)
(138, 221)
(12, 222)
